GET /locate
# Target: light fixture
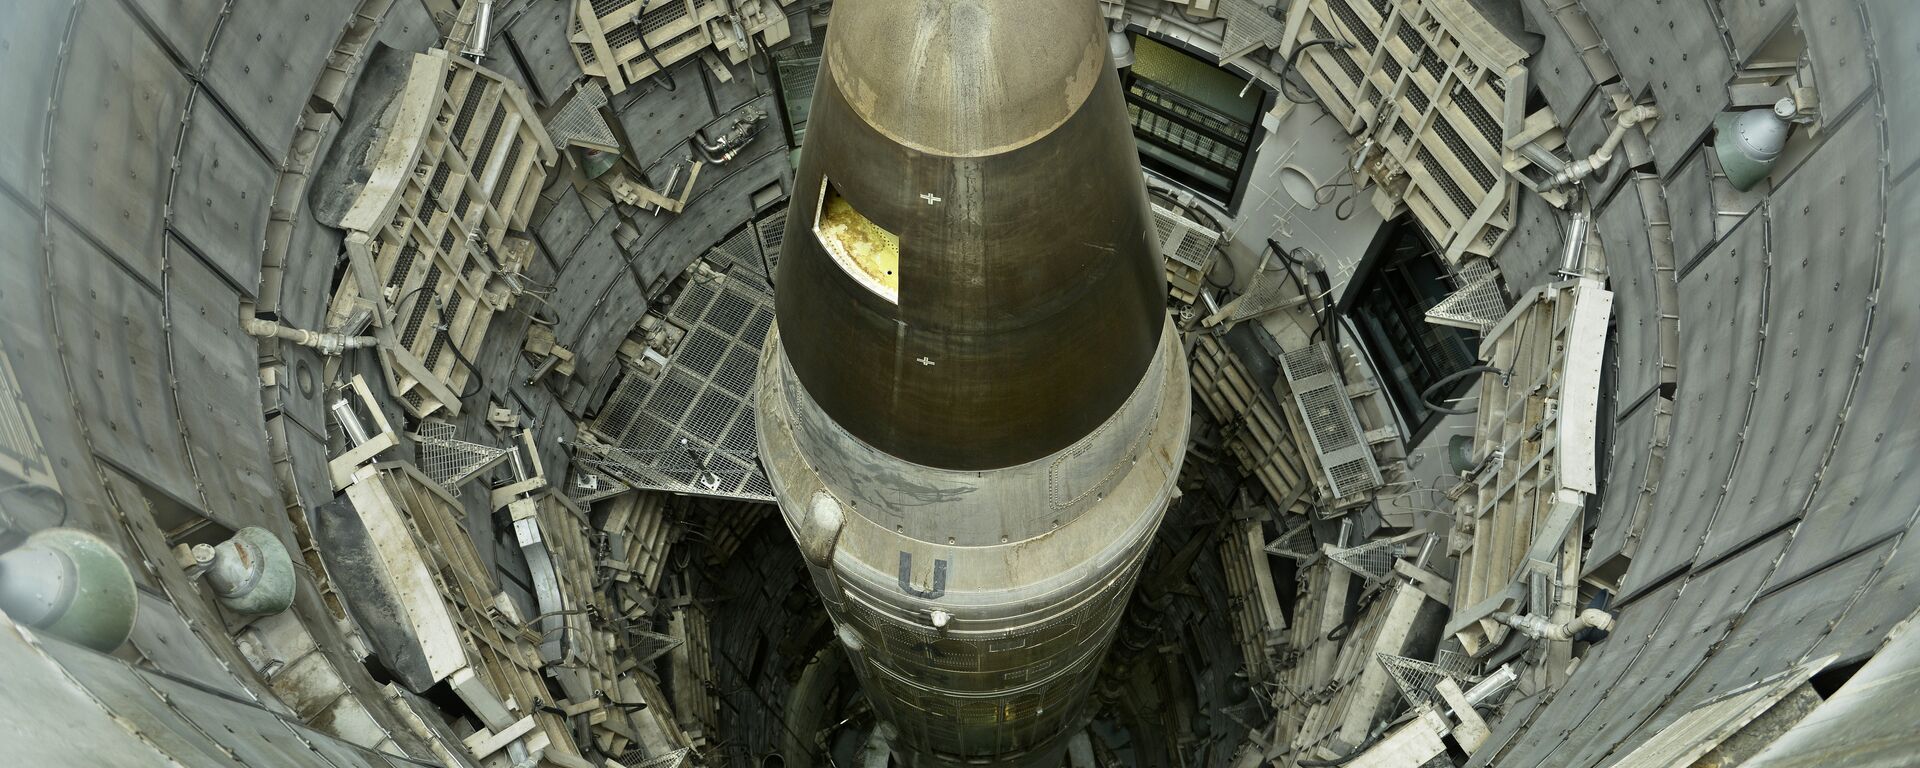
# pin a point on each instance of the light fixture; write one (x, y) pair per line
(1748, 143)
(1120, 47)
(69, 584)
(250, 573)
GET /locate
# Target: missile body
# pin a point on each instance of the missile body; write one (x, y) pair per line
(973, 407)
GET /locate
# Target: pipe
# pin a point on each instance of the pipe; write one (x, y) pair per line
(723, 149)
(1426, 397)
(1587, 166)
(329, 344)
(1574, 255)
(1540, 628)
(349, 423)
(1495, 684)
(477, 36)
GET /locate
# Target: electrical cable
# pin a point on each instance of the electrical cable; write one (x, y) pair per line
(1220, 258)
(640, 33)
(1426, 396)
(1294, 58)
(1327, 314)
(477, 379)
(1342, 210)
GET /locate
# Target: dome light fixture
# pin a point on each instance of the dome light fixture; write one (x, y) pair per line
(1749, 142)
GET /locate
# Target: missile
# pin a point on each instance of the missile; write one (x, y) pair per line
(973, 406)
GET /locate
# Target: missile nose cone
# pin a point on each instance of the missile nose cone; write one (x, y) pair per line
(969, 279)
(966, 78)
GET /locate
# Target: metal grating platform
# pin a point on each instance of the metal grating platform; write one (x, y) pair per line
(1297, 544)
(691, 430)
(1477, 305)
(675, 759)
(449, 461)
(1417, 679)
(1333, 428)
(1372, 560)
(580, 123)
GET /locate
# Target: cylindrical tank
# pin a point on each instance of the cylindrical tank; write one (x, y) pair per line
(973, 407)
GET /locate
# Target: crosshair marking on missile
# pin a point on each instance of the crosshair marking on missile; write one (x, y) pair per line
(939, 587)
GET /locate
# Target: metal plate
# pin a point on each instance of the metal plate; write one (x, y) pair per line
(1781, 629)
(1751, 22)
(1823, 223)
(116, 354)
(342, 754)
(1506, 727)
(255, 736)
(308, 453)
(596, 267)
(1675, 50)
(1853, 726)
(1868, 492)
(114, 131)
(1629, 485)
(1721, 310)
(161, 635)
(1556, 68)
(62, 714)
(1534, 741)
(1835, 43)
(1884, 603)
(311, 256)
(30, 38)
(217, 367)
(1622, 227)
(658, 121)
(1894, 26)
(220, 196)
(1690, 208)
(1532, 249)
(563, 225)
(121, 690)
(267, 58)
(185, 26)
(1709, 605)
(44, 392)
(539, 34)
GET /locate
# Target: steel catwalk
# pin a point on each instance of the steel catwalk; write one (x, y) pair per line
(973, 407)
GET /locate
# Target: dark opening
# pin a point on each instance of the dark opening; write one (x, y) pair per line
(1388, 309)
(794, 69)
(1192, 121)
(1829, 681)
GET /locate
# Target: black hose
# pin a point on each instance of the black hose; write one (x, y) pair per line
(1426, 396)
(640, 32)
(477, 380)
(1221, 258)
(1294, 58)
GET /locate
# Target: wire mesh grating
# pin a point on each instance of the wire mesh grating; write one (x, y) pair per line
(1296, 543)
(1418, 680)
(690, 429)
(449, 461)
(1372, 560)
